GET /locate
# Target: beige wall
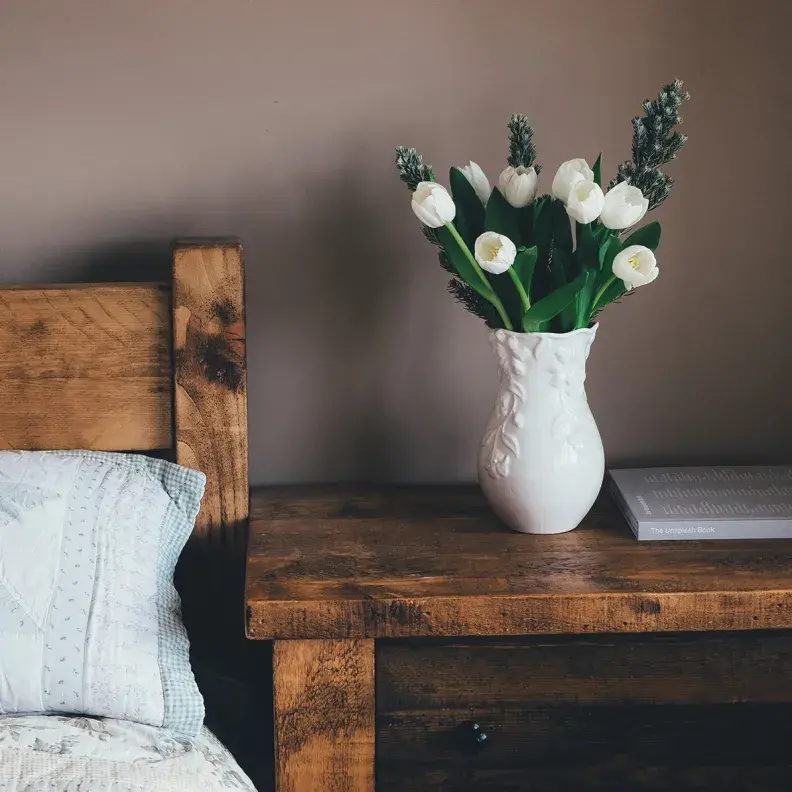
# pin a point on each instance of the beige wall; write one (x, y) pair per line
(124, 124)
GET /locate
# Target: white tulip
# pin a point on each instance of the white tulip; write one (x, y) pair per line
(478, 181)
(518, 185)
(624, 206)
(636, 266)
(432, 204)
(495, 253)
(569, 174)
(585, 202)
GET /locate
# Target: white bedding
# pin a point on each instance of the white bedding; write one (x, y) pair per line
(89, 619)
(59, 753)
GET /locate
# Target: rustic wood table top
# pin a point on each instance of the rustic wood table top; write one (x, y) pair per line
(336, 562)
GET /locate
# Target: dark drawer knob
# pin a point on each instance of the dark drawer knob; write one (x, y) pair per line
(472, 736)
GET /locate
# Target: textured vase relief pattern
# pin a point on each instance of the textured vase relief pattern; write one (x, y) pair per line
(565, 371)
(502, 441)
(568, 375)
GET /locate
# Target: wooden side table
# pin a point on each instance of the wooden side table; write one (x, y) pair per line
(331, 571)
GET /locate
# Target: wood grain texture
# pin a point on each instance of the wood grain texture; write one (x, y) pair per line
(211, 385)
(87, 366)
(338, 563)
(91, 366)
(605, 748)
(591, 670)
(211, 435)
(594, 712)
(324, 716)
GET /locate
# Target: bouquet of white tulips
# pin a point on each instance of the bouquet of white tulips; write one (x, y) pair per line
(529, 262)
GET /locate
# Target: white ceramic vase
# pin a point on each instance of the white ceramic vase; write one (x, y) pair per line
(541, 461)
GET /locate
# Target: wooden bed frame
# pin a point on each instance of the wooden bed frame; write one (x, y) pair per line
(156, 368)
(148, 367)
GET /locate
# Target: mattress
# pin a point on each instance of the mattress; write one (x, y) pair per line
(61, 753)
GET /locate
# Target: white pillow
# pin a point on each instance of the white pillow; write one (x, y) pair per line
(89, 619)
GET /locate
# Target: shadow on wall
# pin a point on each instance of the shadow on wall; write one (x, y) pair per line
(327, 324)
(134, 260)
(325, 332)
(336, 354)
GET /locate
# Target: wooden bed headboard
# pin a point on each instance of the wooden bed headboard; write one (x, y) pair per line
(154, 368)
(138, 367)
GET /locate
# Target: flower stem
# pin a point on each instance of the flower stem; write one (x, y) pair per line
(602, 291)
(491, 296)
(526, 300)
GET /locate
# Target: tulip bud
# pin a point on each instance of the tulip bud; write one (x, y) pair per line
(495, 253)
(432, 204)
(624, 206)
(569, 174)
(585, 202)
(478, 181)
(636, 266)
(518, 185)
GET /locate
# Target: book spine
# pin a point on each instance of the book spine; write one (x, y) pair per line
(721, 529)
(624, 509)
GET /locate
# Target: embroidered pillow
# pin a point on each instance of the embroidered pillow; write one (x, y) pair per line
(89, 619)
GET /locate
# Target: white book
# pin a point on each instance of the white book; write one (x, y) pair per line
(744, 502)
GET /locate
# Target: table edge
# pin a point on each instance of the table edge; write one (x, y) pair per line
(519, 614)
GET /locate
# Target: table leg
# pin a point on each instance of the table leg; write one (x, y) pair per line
(324, 715)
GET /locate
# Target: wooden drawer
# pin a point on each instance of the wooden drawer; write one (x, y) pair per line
(619, 712)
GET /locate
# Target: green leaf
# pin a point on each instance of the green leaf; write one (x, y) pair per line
(583, 299)
(562, 259)
(525, 219)
(613, 292)
(461, 264)
(543, 223)
(503, 286)
(502, 217)
(587, 251)
(562, 227)
(562, 271)
(543, 239)
(563, 267)
(524, 266)
(603, 249)
(539, 205)
(469, 220)
(648, 236)
(587, 259)
(613, 249)
(552, 305)
(599, 230)
(598, 170)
